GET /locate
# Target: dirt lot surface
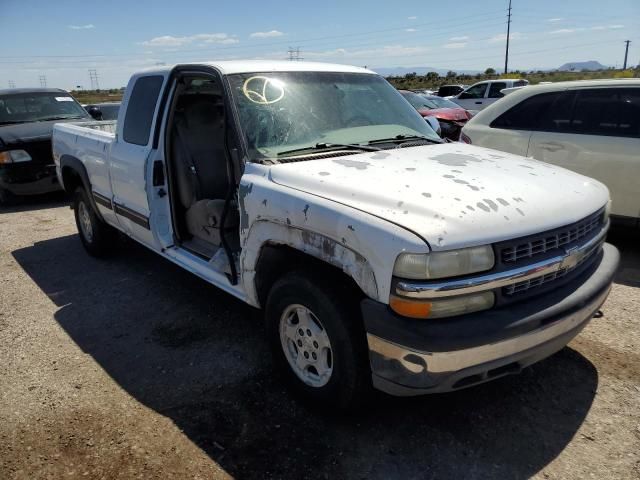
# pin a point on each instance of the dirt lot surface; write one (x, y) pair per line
(133, 368)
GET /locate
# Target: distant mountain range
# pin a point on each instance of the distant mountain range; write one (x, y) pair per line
(577, 66)
(402, 71)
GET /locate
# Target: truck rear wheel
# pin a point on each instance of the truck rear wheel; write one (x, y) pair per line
(318, 342)
(97, 237)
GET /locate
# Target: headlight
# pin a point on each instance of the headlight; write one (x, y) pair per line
(14, 156)
(452, 263)
(448, 307)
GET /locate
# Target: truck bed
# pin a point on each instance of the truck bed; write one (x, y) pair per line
(90, 142)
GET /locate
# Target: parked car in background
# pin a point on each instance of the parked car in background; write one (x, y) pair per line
(450, 90)
(423, 91)
(381, 256)
(103, 111)
(450, 116)
(482, 94)
(591, 127)
(27, 116)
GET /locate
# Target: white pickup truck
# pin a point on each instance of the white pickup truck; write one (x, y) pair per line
(381, 255)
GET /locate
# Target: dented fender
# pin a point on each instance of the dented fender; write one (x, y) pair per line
(360, 244)
(263, 233)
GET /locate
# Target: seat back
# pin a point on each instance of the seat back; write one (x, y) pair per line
(198, 148)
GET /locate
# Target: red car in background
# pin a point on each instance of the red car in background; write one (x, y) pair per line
(451, 116)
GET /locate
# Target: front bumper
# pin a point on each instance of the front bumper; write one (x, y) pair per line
(29, 178)
(413, 357)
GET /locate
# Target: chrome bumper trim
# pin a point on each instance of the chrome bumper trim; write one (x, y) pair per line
(502, 279)
(429, 363)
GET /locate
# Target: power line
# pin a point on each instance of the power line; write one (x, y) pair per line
(506, 53)
(93, 77)
(294, 54)
(431, 27)
(43, 81)
(626, 54)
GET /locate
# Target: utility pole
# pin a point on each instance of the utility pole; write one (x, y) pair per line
(506, 54)
(626, 54)
(294, 54)
(12, 84)
(93, 76)
(43, 81)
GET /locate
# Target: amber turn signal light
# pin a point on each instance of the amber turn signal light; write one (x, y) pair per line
(409, 308)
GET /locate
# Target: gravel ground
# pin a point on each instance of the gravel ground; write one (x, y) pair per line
(133, 368)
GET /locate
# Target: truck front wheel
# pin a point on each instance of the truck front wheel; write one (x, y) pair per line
(318, 341)
(97, 237)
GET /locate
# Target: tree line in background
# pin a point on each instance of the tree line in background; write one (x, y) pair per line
(433, 80)
(430, 81)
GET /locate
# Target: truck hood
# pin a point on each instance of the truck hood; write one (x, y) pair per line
(452, 195)
(19, 133)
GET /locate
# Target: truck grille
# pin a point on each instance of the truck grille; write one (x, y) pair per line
(530, 247)
(527, 285)
(536, 282)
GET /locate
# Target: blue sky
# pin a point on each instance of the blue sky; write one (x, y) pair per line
(63, 39)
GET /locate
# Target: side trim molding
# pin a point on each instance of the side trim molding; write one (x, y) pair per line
(132, 215)
(102, 200)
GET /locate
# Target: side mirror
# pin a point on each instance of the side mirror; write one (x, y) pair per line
(96, 113)
(434, 124)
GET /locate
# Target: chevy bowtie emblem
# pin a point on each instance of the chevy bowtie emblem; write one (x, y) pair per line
(263, 90)
(571, 258)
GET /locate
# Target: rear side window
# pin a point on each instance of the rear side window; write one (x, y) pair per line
(142, 104)
(612, 112)
(494, 89)
(557, 116)
(528, 114)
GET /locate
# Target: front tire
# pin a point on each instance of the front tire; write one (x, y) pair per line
(318, 341)
(97, 237)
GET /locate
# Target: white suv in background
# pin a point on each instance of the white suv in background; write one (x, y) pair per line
(482, 94)
(590, 127)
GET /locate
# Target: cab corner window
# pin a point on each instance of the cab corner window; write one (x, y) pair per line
(140, 109)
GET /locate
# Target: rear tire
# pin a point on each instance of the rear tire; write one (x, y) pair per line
(318, 341)
(97, 237)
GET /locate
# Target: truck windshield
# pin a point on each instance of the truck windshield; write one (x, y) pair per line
(290, 111)
(38, 106)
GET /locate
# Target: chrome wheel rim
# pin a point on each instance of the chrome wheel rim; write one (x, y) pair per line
(85, 222)
(306, 345)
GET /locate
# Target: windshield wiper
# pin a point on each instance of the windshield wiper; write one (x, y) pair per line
(329, 147)
(403, 138)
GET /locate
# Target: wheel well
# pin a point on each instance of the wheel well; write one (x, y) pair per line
(71, 179)
(277, 260)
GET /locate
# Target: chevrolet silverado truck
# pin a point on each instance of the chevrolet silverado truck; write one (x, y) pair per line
(27, 116)
(381, 256)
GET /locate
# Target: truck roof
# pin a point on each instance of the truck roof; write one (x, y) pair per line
(228, 67)
(17, 91)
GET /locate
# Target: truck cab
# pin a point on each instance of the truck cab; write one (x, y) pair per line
(482, 94)
(381, 256)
